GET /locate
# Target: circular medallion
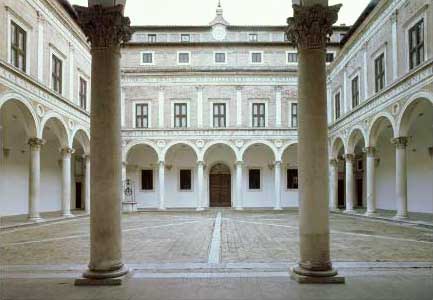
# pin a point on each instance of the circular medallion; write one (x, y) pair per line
(219, 32)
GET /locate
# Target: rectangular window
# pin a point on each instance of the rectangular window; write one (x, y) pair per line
(185, 38)
(185, 180)
(329, 57)
(147, 58)
(183, 58)
(355, 92)
(151, 38)
(56, 74)
(292, 179)
(294, 115)
(220, 58)
(258, 114)
(292, 58)
(83, 93)
(379, 72)
(18, 47)
(180, 115)
(416, 44)
(147, 180)
(256, 57)
(253, 37)
(337, 105)
(254, 179)
(219, 115)
(141, 115)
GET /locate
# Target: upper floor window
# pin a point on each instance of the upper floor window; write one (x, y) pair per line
(292, 179)
(219, 115)
(258, 115)
(185, 180)
(253, 37)
(337, 105)
(180, 115)
(183, 58)
(185, 38)
(355, 92)
(151, 38)
(56, 74)
(256, 57)
(18, 46)
(220, 57)
(379, 72)
(330, 57)
(141, 115)
(83, 93)
(294, 115)
(292, 57)
(147, 180)
(146, 58)
(416, 44)
(254, 179)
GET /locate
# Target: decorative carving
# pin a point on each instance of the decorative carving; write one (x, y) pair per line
(199, 143)
(161, 144)
(239, 143)
(35, 143)
(278, 143)
(349, 157)
(400, 142)
(104, 26)
(370, 151)
(311, 26)
(40, 110)
(71, 124)
(333, 162)
(66, 151)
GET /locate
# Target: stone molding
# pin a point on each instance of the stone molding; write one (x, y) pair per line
(311, 26)
(370, 151)
(67, 151)
(104, 27)
(400, 142)
(36, 143)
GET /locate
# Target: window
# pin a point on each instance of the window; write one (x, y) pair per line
(185, 180)
(292, 179)
(256, 57)
(379, 72)
(337, 105)
(416, 44)
(294, 115)
(141, 115)
(258, 114)
(355, 92)
(292, 57)
(83, 93)
(151, 38)
(56, 74)
(146, 58)
(253, 37)
(183, 58)
(180, 115)
(185, 38)
(147, 180)
(329, 57)
(220, 57)
(219, 115)
(254, 179)
(18, 47)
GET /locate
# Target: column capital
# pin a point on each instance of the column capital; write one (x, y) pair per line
(36, 143)
(370, 151)
(67, 151)
(310, 26)
(333, 162)
(161, 163)
(349, 157)
(278, 88)
(200, 163)
(400, 142)
(239, 163)
(394, 16)
(239, 88)
(104, 26)
(85, 156)
(278, 163)
(199, 88)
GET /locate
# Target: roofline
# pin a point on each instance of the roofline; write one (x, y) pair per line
(229, 27)
(213, 44)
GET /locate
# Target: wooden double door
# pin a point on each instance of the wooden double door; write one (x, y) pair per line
(220, 186)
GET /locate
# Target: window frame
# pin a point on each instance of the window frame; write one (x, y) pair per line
(411, 26)
(358, 78)
(184, 52)
(149, 113)
(375, 59)
(252, 103)
(213, 104)
(12, 16)
(287, 58)
(260, 179)
(173, 115)
(182, 35)
(330, 52)
(287, 179)
(153, 35)
(262, 56)
(14, 48)
(81, 78)
(61, 58)
(179, 170)
(142, 63)
(220, 52)
(254, 40)
(291, 114)
(141, 180)
(334, 95)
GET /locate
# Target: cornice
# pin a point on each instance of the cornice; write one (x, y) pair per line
(214, 44)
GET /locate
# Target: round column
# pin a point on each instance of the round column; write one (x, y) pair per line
(161, 180)
(401, 177)
(277, 181)
(309, 29)
(66, 181)
(239, 202)
(105, 28)
(350, 183)
(87, 183)
(200, 178)
(371, 181)
(35, 179)
(333, 184)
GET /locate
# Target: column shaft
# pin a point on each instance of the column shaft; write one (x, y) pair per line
(161, 180)
(239, 202)
(66, 181)
(334, 184)
(34, 178)
(401, 177)
(277, 181)
(200, 178)
(371, 180)
(350, 183)
(87, 183)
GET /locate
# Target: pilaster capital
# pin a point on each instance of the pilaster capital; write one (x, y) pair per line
(370, 151)
(394, 16)
(239, 88)
(200, 163)
(278, 88)
(349, 157)
(199, 88)
(36, 143)
(161, 163)
(400, 142)
(277, 163)
(333, 162)
(239, 163)
(40, 16)
(104, 26)
(66, 152)
(86, 157)
(311, 26)
(161, 89)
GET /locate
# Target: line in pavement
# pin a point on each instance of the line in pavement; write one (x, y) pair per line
(215, 246)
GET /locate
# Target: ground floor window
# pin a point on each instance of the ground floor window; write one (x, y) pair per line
(147, 180)
(254, 179)
(185, 177)
(292, 179)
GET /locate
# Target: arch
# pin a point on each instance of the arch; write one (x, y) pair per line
(32, 123)
(337, 144)
(284, 148)
(377, 125)
(405, 118)
(260, 142)
(137, 143)
(214, 143)
(83, 138)
(356, 134)
(61, 131)
(186, 143)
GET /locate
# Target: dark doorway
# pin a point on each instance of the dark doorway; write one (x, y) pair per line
(359, 185)
(78, 196)
(220, 186)
(341, 191)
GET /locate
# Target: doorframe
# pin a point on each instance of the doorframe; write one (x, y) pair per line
(232, 180)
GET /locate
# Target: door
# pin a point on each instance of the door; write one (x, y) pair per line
(78, 202)
(220, 186)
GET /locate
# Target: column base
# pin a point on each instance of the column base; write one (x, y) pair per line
(278, 208)
(162, 208)
(334, 209)
(67, 215)
(239, 208)
(129, 207)
(349, 211)
(93, 278)
(200, 209)
(304, 276)
(37, 219)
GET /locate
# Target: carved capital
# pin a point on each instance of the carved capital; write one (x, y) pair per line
(349, 157)
(333, 162)
(370, 151)
(400, 142)
(66, 152)
(311, 26)
(35, 143)
(104, 26)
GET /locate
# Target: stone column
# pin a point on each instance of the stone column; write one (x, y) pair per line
(105, 27)
(35, 179)
(161, 181)
(87, 183)
(350, 183)
(124, 164)
(239, 106)
(66, 181)
(239, 202)
(122, 107)
(371, 180)
(200, 178)
(401, 177)
(309, 30)
(278, 106)
(334, 184)
(277, 181)
(199, 106)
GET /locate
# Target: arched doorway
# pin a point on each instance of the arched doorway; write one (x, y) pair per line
(220, 186)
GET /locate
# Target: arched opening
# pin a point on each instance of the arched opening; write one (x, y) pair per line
(81, 145)
(220, 186)
(289, 176)
(356, 147)
(17, 126)
(338, 153)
